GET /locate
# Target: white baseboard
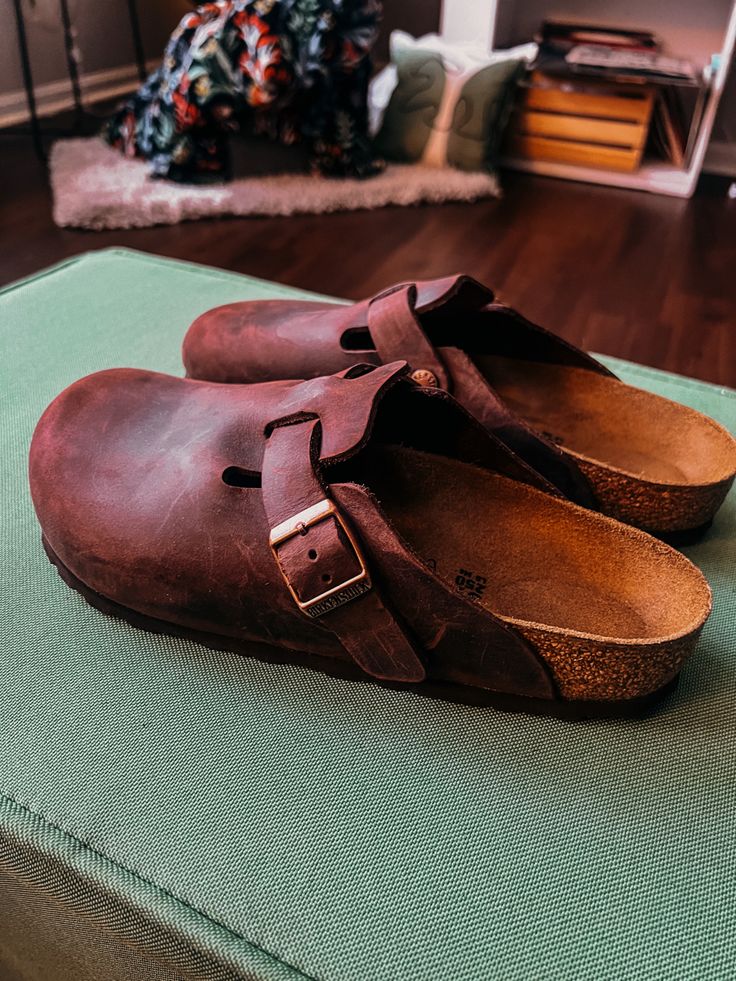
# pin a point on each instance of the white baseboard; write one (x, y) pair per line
(53, 97)
(721, 159)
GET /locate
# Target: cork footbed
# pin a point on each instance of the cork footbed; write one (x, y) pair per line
(613, 611)
(614, 430)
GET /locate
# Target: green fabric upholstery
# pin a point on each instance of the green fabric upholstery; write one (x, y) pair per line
(171, 812)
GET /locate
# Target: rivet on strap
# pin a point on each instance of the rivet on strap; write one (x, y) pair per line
(398, 335)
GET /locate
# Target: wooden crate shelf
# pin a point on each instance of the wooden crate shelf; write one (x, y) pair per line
(603, 125)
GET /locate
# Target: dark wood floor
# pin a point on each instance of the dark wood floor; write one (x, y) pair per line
(648, 278)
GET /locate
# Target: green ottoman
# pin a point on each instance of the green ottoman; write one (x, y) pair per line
(171, 812)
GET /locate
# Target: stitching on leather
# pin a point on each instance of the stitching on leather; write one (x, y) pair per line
(161, 889)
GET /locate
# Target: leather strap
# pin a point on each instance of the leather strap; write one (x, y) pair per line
(474, 392)
(320, 559)
(397, 333)
(398, 336)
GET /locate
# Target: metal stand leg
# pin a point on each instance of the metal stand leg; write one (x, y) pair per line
(135, 28)
(25, 63)
(70, 47)
(71, 61)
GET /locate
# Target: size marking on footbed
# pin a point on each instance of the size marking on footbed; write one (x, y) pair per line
(470, 584)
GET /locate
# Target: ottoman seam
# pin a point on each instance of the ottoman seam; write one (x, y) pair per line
(683, 381)
(149, 882)
(223, 275)
(42, 273)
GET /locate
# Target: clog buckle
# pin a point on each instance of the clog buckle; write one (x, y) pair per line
(335, 596)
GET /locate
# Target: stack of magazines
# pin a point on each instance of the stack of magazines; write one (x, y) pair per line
(612, 53)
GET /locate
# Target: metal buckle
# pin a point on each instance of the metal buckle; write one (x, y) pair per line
(338, 595)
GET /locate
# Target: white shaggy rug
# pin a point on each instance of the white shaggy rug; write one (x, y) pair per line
(95, 186)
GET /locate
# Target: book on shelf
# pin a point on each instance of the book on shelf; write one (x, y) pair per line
(560, 36)
(668, 133)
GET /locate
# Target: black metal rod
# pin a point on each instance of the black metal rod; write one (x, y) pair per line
(135, 28)
(71, 60)
(25, 63)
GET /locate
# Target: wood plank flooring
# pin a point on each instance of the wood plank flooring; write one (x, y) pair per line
(647, 278)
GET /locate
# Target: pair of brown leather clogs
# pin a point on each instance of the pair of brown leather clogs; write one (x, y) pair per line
(453, 525)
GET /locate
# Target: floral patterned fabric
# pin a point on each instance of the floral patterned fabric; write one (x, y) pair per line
(293, 69)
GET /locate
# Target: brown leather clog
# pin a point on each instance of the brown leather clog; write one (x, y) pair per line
(636, 456)
(361, 525)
